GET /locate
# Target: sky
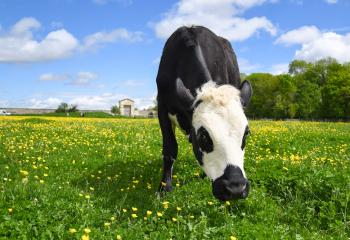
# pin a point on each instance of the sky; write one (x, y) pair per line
(93, 53)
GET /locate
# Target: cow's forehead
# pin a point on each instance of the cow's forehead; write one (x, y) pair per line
(219, 106)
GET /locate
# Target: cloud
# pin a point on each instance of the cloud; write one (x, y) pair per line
(133, 83)
(245, 66)
(53, 77)
(316, 44)
(220, 16)
(18, 45)
(331, 1)
(44, 103)
(120, 34)
(280, 68)
(83, 79)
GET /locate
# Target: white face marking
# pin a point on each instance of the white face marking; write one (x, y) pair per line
(222, 115)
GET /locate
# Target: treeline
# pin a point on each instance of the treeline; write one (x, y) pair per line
(319, 90)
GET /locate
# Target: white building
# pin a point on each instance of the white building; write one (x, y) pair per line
(126, 107)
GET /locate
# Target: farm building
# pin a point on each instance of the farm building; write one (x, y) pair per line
(126, 107)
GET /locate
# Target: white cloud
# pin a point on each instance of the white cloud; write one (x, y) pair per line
(53, 77)
(316, 44)
(45, 103)
(331, 1)
(219, 16)
(279, 68)
(18, 45)
(299, 36)
(133, 83)
(120, 34)
(245, 66)
(83, 78)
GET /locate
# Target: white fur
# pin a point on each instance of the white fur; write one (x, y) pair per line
(221, 114)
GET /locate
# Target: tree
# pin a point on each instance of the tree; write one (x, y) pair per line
(63, 107)
(115, 110)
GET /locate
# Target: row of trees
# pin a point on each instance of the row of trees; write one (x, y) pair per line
(319, 90)
(65, 108)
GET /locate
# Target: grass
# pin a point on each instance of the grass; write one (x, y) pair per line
(76, 178)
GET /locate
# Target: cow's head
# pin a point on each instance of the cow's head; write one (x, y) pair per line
(219, 131)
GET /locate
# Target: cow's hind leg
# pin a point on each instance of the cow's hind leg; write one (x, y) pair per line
(169, 148)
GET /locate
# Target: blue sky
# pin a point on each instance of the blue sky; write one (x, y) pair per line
(95, 52)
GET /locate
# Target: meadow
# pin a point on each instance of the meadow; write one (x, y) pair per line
(96, 178)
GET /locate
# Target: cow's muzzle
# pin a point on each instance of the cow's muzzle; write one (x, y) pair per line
(231, 185)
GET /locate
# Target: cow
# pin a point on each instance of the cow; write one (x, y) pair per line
(200, 91)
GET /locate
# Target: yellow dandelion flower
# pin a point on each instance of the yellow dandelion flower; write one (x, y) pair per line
(87, 196)
(107, 224)
(134, 209)
(177, 184)
(10, 210)
(119, 237)
(112, 218)
(124, 210)
(227, 203)
(163, 184)
(133, 215)
(24, 172)
(191, 216)
(174, 219)
(87, 230)
(46, 175)
(91, 188)
(85, 237)
(41, 181)
(159, 214)
(149, 213)
(210, 203)
(233, 238)
(72, 230)
(178, 209)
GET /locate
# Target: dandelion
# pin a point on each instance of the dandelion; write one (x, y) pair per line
(46, 175)
(24, 172)
(163, 184)
(87, 230)
(134, 209)
(133, 215)
(85, 237)
(174, 219)
(149, 213)
(24, 180)
(124, 210)
(191, 217)
(177, 184)
(159, 214)
(233, 238)
(91, 188)
(227, 203)
(41, 181)
(210, 203)
(107, 224)
(178, 209)
(10, 210)
(112, 219)
(72, 230)
(87, 196)
(119, 237)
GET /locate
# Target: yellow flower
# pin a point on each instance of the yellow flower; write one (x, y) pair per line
(210, 203)
(119, 237)
(178, 209)
(91, 188)
(134, 209)
(24, 172)
(41, 181)
(87, 196)
(10, 210)
(159, 214)
(174, 219)
(87, 230)
(107, 224)
(46, 175)
(72, 230)
(227, 203)
(163, 184)
(149, 213)
(124, 210)
(177, 184)
(233, 238)
(85, 237)
(191, 216)
(112, 218)
(133, 215)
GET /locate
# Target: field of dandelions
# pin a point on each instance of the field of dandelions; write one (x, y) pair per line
(86, 178)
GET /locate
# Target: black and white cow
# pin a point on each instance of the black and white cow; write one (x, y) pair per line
(200, 90)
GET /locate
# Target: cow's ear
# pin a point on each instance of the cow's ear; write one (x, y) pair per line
(246, 93)
(184, 94)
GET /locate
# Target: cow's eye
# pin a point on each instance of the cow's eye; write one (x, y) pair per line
(204, 140)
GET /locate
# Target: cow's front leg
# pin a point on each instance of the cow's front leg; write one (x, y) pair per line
(169, 149)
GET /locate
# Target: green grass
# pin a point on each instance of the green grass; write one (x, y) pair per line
(58, 174)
